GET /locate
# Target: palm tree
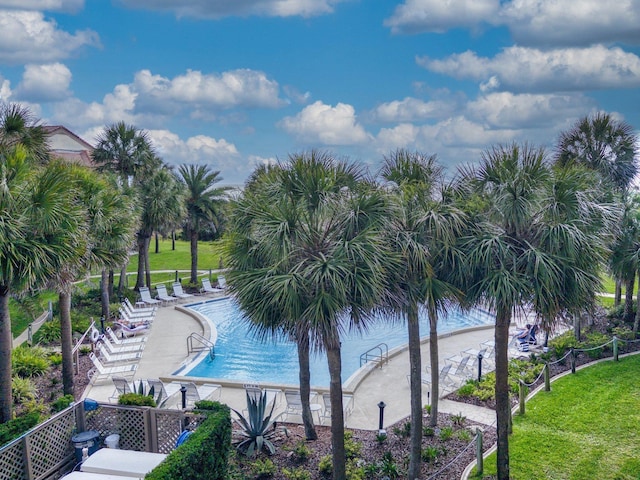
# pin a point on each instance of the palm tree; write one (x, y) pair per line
(40, 223)
(536, 240)
(319, 243)
(422, 227)
(203, 204)
(19, 126)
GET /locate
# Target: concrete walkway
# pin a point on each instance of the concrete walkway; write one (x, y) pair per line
(166, 352)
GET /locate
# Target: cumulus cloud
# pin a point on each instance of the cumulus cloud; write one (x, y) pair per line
(412, 109)
(196, 149)
(531, 22)
(527, 69)
(415, 16)
(44, 83)
(226, 8)
(243, 87)
(26, 37)
(325, 124)
(49, 5)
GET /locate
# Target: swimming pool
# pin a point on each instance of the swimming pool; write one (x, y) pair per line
(240, 356)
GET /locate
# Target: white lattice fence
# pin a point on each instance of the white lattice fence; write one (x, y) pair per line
(11, 466)
(50, 447)
(168, 428)
(130, 423)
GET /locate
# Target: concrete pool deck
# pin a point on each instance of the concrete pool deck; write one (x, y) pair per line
(166, 352)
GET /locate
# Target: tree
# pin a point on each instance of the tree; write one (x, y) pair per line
(536, 240)
(421, 229)
(39, 224)
(203, 203)
(18, 126)
(323, 259)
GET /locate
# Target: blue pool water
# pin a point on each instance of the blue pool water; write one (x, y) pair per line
(241, 356)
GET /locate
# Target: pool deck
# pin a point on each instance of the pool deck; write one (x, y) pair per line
(166, 352)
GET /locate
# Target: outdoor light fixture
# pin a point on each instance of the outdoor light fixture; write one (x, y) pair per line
(381, 431)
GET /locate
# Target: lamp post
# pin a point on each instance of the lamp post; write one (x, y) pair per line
(479, 366)
(381, 430)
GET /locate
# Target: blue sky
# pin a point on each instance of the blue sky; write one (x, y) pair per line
(237, 83)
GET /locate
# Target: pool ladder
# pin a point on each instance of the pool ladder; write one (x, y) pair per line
(197, 343)
(379, 354)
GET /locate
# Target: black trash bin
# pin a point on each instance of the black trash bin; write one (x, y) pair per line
(88, 440)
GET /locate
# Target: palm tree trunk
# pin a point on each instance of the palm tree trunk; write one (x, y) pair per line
(636, 322)
(618, 293)
(122, 282)
(194, 256)
(302, 341)
(173, 239)
(628, 297)
(147, 266)
(157, 243)
(434, 362)
(6, 344)
(503, 406)
(415, 367)
(104, 293)
(66, 342)
(141, 244)
(337, 416)
(110, 284)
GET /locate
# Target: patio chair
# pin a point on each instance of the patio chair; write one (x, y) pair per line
(294, 404)
(109, 358)
(123, 341)
(137, 308)
(129, 331)
(206, 391)
(163, 295)
(165, 394)
(207, 288)
(132, 313)
(444, 379)
(122, 387)
(134, 319)
(179, 292)
(125, 348)
(255, 393)
(222, 282)
(145, 296)
(100, 371)
(347, 407)
(461, 370)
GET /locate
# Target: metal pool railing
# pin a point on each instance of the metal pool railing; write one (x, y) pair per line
(379, 354)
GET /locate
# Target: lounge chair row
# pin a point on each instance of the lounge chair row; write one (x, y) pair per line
(163, 297)
(167, 395)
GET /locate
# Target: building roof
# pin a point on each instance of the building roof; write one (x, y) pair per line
(67, 145)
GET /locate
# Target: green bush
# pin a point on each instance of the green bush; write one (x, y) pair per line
(55, 358)
(29, 361)
(49, 332)
(463, 435)
(301, 451)
(22, 389)
(325, 465)
(61, 403)
(430, 454)
(136, 399)
(205, 455)
(296, 474)
(352, 448)
(623, 333)
(263, 469)
(16, 427)
(446, 433)
(561, 344)
(593, 341)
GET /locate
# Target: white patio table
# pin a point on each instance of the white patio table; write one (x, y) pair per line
(130, 463)
(95, 476)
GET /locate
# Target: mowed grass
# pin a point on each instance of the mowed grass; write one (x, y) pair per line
(209, 254)
(587, 427)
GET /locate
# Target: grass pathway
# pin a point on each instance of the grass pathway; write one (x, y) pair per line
(587, 427)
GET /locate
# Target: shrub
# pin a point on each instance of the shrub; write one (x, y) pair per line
(388, 467)
(468, 389)
(29, 361)
(352, 448)
(446, 433)
(463, 435)
(296, 474)
(55, 358)
(430, 454)
(61, 403)
(136, 399)
(428, 431)
(16, 427)
(458, 419)
(205, 455)
(561, 344)
(404, 431)
(301, 451)
(263, 469)
(22, 389)
(593, 341)
(325, 465)
(258, 428)
(49, 332)
(355, 471)
(623, 333)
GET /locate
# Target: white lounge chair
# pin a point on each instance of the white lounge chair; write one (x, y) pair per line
(145, 296)
(207, 288)
(100, 371)
(125, 348)
(222, 282)
(163, 295)
(179, 292)
(347, 407)
(129, 331)
(206, 391)
(122, 387)
(129, 312)
(137, 308)
(134, 319)
(113, 358)
(123, 341)
(165, 394)
(444, 379)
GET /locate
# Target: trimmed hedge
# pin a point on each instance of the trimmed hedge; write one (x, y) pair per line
(205, 454)
(16, 427)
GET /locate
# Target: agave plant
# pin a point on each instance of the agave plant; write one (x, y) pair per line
(257, 429)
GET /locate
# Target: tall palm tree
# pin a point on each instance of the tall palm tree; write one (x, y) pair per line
(313, 256)
(203, 203)
(536, 240)
(421, 228)
(18, 125)
(40, 223)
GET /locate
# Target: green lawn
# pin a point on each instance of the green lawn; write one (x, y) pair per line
(209, 254)
(585, 428)
(609, 286)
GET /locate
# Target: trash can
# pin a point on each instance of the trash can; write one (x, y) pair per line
(88, 440)
(112, 441)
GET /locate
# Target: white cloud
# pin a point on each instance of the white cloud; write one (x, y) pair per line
(50, 5)
(325, 124)
(44, 83)
(415, 16)
(26, 37)
(528, 69)
(243, 87)
(412, 109)
(531, 22)
(196, 149)
(226, 8)
(5, 90)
